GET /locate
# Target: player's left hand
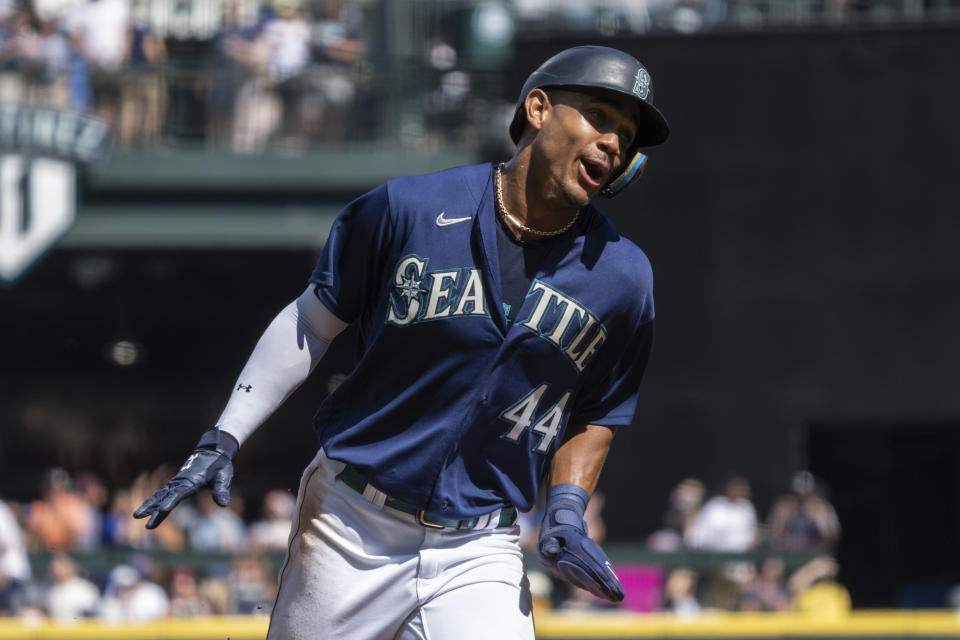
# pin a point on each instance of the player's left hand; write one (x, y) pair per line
(568, 552)
(209, 465)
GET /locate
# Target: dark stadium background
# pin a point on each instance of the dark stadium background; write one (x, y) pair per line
(802, 223)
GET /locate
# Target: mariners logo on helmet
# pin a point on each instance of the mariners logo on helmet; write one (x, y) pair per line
(641, 84)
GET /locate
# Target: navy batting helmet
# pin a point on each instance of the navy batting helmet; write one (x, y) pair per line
(603, 68)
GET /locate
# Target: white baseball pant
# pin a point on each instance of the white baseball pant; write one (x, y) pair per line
(356, 570)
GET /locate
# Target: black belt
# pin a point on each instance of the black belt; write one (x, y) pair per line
(355, 480)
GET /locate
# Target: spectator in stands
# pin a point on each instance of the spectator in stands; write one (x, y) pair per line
(768, 589)
(14, 566)
(287, 41)
(229, 71)
(91, 489)
(257, 111)
(685, 502)
(185, 598)
(446, 109)
(79, 77)
(150, 568)
(593, 517)
(68, 597)
(803, 519)
(252, 583)
(679, 593)
(11, 85)
(339, 53)
(272, 533)
(816, 591)
(728, 521)
(688, 16)
(215, 589)
(128, 597)
(210, 528)
(61, 520)
(99, 30)
(116, 528)
(42, 54)
(18, 48)
(143, 94)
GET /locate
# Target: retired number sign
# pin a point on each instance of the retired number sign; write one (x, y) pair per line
(37, 206)
(39, 153)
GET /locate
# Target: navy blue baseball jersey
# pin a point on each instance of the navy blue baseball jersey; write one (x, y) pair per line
(454, 406)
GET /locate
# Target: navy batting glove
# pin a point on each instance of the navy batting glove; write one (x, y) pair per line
(209, 465)
(566, 550)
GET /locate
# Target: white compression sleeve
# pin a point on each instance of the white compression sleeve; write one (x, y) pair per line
(285, 355)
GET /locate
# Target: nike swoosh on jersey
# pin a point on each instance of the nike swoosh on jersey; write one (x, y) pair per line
(444, 222)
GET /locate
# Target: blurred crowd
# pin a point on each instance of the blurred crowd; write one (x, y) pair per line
(90, 57)
(801, 519)
(252, 75)
(801, 523)
(288, 78)
(212, 561)
(76, 552)
(621, 17)
(270, 73)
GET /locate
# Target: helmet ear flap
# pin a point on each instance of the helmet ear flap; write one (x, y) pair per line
(627, 176)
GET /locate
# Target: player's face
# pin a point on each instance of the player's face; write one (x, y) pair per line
(584, 140)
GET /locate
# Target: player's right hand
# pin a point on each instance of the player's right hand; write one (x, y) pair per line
(209, 465)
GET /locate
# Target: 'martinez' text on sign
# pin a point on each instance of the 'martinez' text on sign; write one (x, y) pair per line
(65, 134)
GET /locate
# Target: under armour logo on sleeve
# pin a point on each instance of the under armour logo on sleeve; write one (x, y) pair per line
(244, 387)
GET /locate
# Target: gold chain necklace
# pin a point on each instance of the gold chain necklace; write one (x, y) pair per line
(519, 225)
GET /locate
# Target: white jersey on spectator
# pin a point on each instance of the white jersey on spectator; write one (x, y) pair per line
(725, 525)
(289, 43)
(129, 598)
(71, 600)
(13, 553)
(103, 27)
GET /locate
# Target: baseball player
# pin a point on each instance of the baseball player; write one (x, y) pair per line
(503, 327)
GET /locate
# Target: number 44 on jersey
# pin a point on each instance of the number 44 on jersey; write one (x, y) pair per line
(523, 413)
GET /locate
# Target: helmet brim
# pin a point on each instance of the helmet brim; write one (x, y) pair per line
(652, 129)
